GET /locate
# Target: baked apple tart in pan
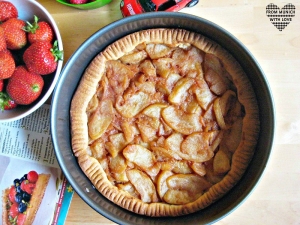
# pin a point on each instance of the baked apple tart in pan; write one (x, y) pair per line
(164, 122)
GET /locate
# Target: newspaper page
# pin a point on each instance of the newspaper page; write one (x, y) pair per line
(26, 146)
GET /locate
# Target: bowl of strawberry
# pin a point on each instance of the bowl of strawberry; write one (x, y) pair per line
(31, 57)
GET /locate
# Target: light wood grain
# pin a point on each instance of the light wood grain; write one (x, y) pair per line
(276, 200)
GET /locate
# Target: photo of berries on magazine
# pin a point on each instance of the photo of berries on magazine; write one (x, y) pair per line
(28, 192)
(33, 188)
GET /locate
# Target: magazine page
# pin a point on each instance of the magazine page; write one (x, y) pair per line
(28, 160)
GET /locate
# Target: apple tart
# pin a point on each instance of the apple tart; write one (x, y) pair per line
(164, 122)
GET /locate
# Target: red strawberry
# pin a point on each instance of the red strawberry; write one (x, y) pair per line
(15, 36)
(39, 31)
(12, 193)
(23, 184)
(41, 57)
(78, 1)
(13, 211)
(21, 219)
(11, 105)
(32, 176)
(29, 187)
(6, 103)
(7, 11)
(7, 64)
(2, 40)
(24, 87)
(1, 85)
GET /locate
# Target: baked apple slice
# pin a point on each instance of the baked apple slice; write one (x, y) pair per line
(185, 123)
(139, 155)
(185, 188)
(143, 184)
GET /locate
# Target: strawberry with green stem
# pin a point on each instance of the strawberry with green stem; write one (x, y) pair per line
(15, 36)
(38, 31)
(42, 57)
(6, 103)
(24, 87)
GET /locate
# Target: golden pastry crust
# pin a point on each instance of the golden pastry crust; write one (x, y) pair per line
(4, 206)
(37, 197)
(214, 186)
(34, 203)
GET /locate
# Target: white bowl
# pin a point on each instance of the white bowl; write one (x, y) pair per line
(27, 9)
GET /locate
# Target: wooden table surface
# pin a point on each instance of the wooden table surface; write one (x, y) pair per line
(276, 199)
